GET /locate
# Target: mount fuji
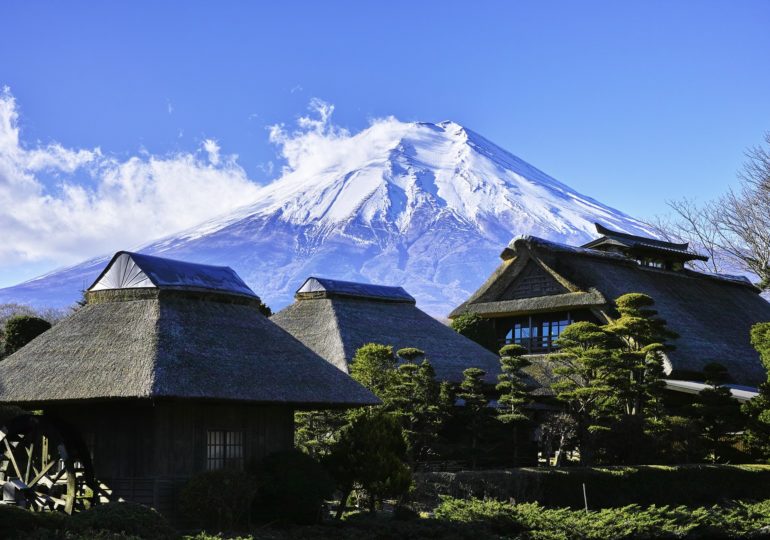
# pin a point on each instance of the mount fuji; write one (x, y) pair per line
(425, 206)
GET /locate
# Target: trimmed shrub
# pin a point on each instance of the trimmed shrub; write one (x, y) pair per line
(691, 485)
(122, 518)
(292, 488)
(21, 329)
(218, 500)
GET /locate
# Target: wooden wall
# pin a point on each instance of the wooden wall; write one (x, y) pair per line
(145, 451)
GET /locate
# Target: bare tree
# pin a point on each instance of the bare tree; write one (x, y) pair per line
(734, 230)
(694, 224)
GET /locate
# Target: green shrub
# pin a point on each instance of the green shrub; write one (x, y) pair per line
(15, 520)
(691, 485)
(218, 500)
(21, 329)
(122, 517)
(292, 488)
(531, 520)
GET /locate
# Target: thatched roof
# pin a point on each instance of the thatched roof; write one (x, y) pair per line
(712, 314)
(178, 341)
(336, 324)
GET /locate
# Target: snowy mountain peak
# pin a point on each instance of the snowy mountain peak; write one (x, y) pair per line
(426, 206)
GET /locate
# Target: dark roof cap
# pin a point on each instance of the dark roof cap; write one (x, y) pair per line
(129, 270)
(315, 287)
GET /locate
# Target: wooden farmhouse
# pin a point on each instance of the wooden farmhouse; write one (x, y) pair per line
(543, 286)
(334, 318)
(169, 370)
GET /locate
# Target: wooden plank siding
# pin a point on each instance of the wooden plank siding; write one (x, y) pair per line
(145, 452)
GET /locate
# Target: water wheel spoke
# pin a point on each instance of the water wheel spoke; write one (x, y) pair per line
(49, 461)
(11, 458)
(41, 474)
(30, 451)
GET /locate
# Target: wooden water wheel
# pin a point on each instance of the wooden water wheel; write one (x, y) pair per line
(45, 465)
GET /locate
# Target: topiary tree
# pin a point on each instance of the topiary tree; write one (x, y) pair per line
(316, 431)
(514, 396)
(374, 366)
(475, 408)
(370, 455)
(640, 340)
(410, 354)
(416, 399)
(718, 414)
(21, 329)
(476, 328)
(583, 381)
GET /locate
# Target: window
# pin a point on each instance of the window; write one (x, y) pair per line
(224, 450)
(538, 334)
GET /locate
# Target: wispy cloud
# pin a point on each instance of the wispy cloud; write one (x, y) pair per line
(62, 205)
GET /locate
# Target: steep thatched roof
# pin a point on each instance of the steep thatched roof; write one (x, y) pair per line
(712, 314)
(338, 322)
(173, 342)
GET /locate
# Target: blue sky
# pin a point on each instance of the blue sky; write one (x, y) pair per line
(632, 103)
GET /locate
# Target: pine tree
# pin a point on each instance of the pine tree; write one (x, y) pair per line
(315, 432)
(514, 396)
(584, 366)
(640, 340)
(370, 455)
(416, 399)
(374, 366)
(756, 436)
(718, 414)
(475, 408)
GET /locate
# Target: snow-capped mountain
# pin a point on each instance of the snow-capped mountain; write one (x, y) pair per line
(425, 206)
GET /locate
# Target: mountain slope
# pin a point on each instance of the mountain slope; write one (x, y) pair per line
(425, 206)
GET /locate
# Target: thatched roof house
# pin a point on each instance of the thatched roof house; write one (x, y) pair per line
(170, 370)
(542, 286)
(155, 328)
(334, 318)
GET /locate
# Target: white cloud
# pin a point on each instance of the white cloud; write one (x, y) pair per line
(317, 143)
(62, 205)
(212, 149)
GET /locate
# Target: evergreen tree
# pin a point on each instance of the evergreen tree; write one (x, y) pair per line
(718, 414)
(756, 436)
(369, 455)
(21, 329)
(640, 340)
(416, 398)
(374, 366)
(475, 328)
(475, 408)
(584, 366)
(315, 432)
(514, 395)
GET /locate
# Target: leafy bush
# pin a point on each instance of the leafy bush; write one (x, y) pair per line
(292, 488)
(218, 500)
(633, 521)
(21, 329)
(691, 485)
(122, 517)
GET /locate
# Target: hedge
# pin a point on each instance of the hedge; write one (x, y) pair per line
(606, 487)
